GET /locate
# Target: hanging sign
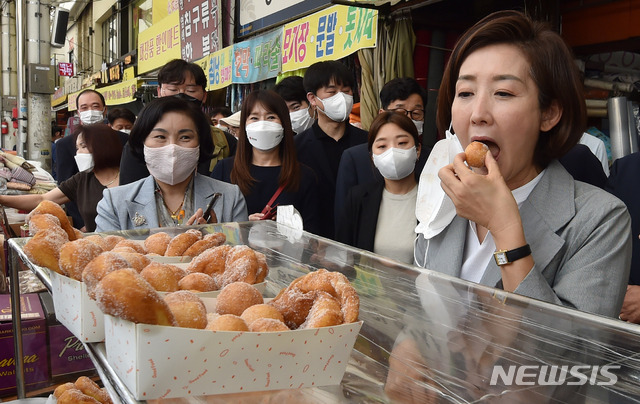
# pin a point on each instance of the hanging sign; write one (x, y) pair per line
(120, 93)
(330, 34)
(258, 58)
(65, 69)
(199, 22)
(218, 67)
(159, 44)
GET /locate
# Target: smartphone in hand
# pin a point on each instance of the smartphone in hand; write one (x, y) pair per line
(207, 211)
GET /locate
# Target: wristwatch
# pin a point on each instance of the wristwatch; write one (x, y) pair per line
(504, 257)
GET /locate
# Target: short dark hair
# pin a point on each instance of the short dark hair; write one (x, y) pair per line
(403, 121)
(291, 89)
(225, 111)
(401, 89)
(120, 113)
(103, 143)
(320, 74)
(154, 111)
(176, 70)
(88, 90)
(552, 70)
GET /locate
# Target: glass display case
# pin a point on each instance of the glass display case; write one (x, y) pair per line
(428, 337)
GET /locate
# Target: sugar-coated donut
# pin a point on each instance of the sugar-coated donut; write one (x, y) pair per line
(75, 396)
(112, 240)
(98, 267)
(197, 282)
(252, 313)
(90, 388)
(268, 325)
(179, 244)
(136, 245)
(62, 388)
(124, 293)
(211, 261)
(325, 312)
(161, 276)
(187, 308)
(43, 221)
(227, 322)
(99, 240)
(208, 241)
(236, 297)
(475, 153)
(136, 260)
(157, 243)
(75, 255)
(44, 248)
(241, 265)
(54, 209)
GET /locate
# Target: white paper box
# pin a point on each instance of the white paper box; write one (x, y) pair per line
(75, 310)
(261, 287)
(163, 362)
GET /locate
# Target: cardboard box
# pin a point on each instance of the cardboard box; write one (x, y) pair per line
(34, 340)
(164, 362)
(75, 310)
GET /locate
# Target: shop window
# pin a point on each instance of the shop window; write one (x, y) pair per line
(110, 51)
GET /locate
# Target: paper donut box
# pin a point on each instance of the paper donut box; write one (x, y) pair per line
(75, 309)
(164, 362)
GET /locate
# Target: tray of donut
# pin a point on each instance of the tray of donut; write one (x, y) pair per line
(201, 263)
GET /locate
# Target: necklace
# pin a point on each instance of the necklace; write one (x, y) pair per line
(114, 178)
(178, 214)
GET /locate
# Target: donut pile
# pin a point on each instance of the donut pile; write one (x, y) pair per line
(190, 243)
(84, 390)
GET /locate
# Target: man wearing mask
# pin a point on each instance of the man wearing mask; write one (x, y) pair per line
(329, 86)
(91, 109)
(187, 81)
(121, 119)
(291, 89)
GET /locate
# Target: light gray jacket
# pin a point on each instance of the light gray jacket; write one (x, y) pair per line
(580, 238)
(122, 208)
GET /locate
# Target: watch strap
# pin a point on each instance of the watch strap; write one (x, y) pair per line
(504, 257)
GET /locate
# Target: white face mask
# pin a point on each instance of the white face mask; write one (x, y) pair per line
(171, 164)
(91, 116)
(127, 131)
(222, 128)
(84, 161)
(264, 135)
(301, 120)
(419, 126)
(337, 107)
(396, 164)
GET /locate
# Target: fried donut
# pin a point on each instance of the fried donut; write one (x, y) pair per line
(209, 241)
(124, 293)
(252, 313)
(62, 388)
(211, 261)
(241, 265)
(161, 276)
(111, 241)
(197, 282)
(75, 255)
(137, 246)
(187, 308)
(44, 248)
(98, 267)
(236, 297)
(227, 322)
(325, 312)
(136, 261)
(475, 153)
(179, 244)
(268, 325)
(294, 305)
(263, 268)
(90, 388)
(75, 396)
(157, 243)
(97, 239)
(55, 210)
(43, 221)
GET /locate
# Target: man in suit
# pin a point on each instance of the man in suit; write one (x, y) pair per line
(402, 95)
(329, 86)
(91, 109)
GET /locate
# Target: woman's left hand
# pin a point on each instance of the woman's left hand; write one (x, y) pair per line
(198, 218)
(259, 216)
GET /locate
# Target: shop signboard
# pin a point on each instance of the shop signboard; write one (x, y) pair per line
(65, 69)
(59, 97)
(218, 68)
(330, 34)
(199, 25)
(258, 59)
(159, 44)
(257, 15)
(72, 104)
(120, 93)
(162, 8)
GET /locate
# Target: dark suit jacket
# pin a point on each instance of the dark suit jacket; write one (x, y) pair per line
(584, 166)
(359, 215)
(356, 168)
(310, 152)
(623, 183)
(66, 167)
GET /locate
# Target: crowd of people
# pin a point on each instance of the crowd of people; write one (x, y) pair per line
(532, 222)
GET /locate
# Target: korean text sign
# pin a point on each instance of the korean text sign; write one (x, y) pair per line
(159, 44)
(257, 59)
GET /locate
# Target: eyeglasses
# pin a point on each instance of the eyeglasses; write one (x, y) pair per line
(416, 114)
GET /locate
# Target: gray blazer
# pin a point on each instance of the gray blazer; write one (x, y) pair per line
(580, 238)
(120, 205)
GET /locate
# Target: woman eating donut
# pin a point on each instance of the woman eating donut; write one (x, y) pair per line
(525, 225)
(265, 166)
(172, 136)
(98, 151)
(380, 216)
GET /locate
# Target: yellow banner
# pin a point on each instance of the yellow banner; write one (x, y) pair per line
(120, 93)
(129, 73)
(218, 68)
(163, 8)
(330, 34)
(73, 105)
(59, 97)
(159, 44)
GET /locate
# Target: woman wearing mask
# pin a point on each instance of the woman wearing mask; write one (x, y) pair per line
(265, 166)
(172, 137)
(380, 216)
(98, 151)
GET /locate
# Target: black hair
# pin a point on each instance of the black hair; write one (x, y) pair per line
(104, 104)
(154, 111)
(401, 89)
(320, 74)
(103, 143)
(176, 70)
(120, 113)
(291, 89)
(225, 111)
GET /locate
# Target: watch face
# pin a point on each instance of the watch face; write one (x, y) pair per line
(501, 258)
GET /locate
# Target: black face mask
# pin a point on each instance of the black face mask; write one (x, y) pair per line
(188, 98)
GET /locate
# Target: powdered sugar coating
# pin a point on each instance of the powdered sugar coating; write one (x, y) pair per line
(187, 308)
(75, 255)
(237, 297)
